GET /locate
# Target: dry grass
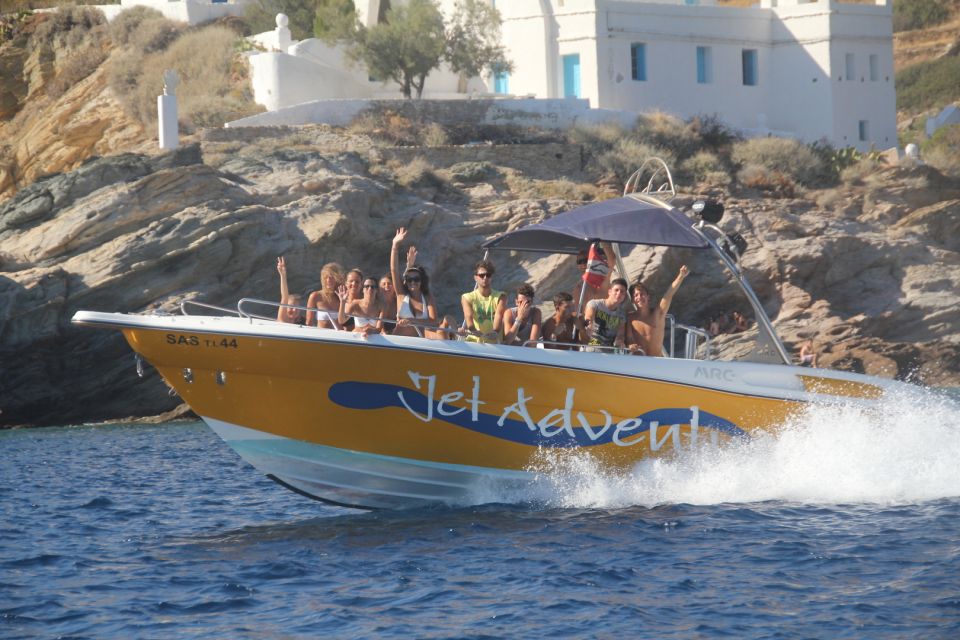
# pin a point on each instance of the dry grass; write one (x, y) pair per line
(774, 183)
(562, 189)
(780, 156)
(664, 131)
(704, 167)
(70, 28)
(78, 66)
(213, 88)
(416, 173)
(434, 135)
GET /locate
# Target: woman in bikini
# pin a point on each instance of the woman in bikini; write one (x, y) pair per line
(388, 295)
(326, 302)
(367, 312)
(414, 302)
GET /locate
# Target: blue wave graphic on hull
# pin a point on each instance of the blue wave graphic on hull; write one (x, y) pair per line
(370, 396)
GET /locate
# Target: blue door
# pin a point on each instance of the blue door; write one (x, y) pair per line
(500, 82)
(571, 76)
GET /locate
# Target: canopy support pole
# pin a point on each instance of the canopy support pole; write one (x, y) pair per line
(766, 326)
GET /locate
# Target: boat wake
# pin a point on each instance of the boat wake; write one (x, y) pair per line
(904, 451)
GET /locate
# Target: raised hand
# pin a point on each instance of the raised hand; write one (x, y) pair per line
(411, 256)
(342, 293)
(684, 272)
(400, 235)
(281, 267)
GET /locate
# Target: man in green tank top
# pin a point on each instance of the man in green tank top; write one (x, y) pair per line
(483, 307)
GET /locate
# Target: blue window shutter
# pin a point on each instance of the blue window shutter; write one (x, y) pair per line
(638, 61)
(749, 67)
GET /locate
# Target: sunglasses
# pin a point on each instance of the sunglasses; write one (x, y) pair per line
(581, 261)
(484, 275)
(411, 278)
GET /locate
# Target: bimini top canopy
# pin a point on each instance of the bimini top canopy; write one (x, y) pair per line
(627, 220)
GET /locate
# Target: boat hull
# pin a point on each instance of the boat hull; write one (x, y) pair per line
(395, 422)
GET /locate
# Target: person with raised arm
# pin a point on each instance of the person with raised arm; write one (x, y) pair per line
(414, 302)
(645, 326)
(483, 308)
(367, 312)
(288, 315)
(324, 304)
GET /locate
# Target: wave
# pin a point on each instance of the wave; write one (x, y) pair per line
(903, 450)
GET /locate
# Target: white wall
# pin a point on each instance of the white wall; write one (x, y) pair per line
(189, 11)
(798, 46)
(560, 114)
(801, 49)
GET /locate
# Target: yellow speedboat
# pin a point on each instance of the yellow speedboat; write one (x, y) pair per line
(391, 421)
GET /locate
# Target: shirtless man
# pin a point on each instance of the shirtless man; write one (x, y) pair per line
(559, 328)
(645, 325)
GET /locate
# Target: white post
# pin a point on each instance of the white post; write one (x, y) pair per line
(284, 39)
(167, 111)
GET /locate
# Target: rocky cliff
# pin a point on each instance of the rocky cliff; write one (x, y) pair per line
(871, 272)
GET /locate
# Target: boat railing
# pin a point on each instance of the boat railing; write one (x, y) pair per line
(694, 339)
(204, 305)
(418, 325)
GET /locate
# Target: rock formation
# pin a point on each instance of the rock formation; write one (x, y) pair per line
(871, 272)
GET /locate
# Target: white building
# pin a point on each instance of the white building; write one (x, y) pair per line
(811, 69)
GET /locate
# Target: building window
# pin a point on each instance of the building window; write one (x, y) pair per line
(749, 57)
(864, 130)
(704, 65)
(850, 67)
(874, 67)
(501, 82)
(638, 61)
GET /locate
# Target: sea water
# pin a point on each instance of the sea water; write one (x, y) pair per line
(845, 523)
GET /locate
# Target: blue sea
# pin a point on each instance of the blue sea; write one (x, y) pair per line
(844, 524)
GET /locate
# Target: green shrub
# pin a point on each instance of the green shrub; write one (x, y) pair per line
(68, 27)
(783, 156)
(918, 14)
(941, 150)
(928, 85)
(664, 131)
(596, 139)
(128, 21)
(713, 132)
(703, 166)
(155, 35)
(262, 16)
(628, 155)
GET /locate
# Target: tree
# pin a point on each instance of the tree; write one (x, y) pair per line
(406, 48)
(336, 20)
(473, 40)
(262, 16)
